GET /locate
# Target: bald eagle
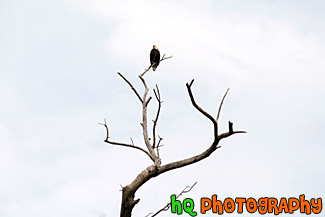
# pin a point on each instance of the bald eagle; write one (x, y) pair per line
(154, 57)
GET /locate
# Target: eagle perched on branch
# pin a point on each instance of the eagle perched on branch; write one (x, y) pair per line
(154, 57)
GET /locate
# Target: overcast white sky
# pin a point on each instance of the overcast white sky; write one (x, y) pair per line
(58, 80)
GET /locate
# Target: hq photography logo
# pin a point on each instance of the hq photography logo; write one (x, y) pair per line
(262, 205)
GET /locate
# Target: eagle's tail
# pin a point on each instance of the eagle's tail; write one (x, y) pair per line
(154, 68)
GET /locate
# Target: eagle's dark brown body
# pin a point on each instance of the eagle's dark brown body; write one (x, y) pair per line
(154, 58)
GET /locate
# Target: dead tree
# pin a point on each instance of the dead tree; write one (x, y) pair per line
(152, 146)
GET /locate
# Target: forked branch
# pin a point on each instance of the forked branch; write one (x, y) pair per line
(214, 146)
(230, 132)
(206, 114)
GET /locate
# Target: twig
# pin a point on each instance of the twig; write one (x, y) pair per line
(230, 132)
(165, 208)
(223, 98)
(107, 132)
(158, 145)
(160, 139)
(165, 58)
(132, 141)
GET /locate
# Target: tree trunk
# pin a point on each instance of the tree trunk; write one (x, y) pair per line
(128, 202)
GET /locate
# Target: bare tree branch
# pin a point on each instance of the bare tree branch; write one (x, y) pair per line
(123, 144)
(157, 94)
(200, 109)
(106, 127)
(207, 152)
(165, 58)
(165, 208)
(135, 91)
(145, 71)
(223, 98)
(144, 123)
(130, 146)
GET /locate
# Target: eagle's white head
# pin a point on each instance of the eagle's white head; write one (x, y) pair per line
(154, 47)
